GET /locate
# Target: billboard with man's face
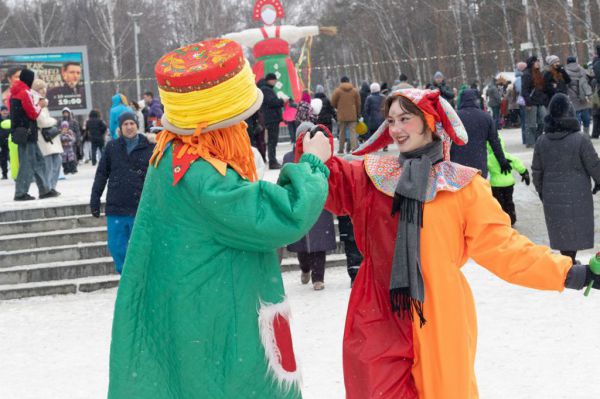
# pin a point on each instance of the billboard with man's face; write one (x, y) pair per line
(64, 69)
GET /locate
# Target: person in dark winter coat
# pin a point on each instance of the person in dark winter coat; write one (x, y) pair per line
(556, 78)
(481, 130)
(123, 165)
(96, 129)
(563, 162)
(256, 131)
(580, 91)
(23, 114)
(4, 133)
(494, 101)
(440, 84)
(327, 114)
(312, 248)
(532, 91)
(364, 92)
(272, 109)
(373, 114)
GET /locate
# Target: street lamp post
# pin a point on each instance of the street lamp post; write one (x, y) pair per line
(136, 31)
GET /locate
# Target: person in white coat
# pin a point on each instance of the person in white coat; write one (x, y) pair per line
(49, 146)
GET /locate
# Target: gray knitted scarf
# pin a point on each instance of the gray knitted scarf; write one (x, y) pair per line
(407, 290)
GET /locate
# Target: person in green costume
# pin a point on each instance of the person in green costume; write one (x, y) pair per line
(201, 309)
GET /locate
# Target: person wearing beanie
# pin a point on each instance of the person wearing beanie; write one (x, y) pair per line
(24, 112)
(439, 83)
(375, 88)
(347, 102)
(327, 114)
(123, 168)
(311, 250)
(411, 322)
(580, 92)
(556, 78)
(201, 310)
(563, 182)
(4, 133)
(535, 99)
(373, 115)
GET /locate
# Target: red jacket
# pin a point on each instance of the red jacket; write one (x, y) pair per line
(20, 91)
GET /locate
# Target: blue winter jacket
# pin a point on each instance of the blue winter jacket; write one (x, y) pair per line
(115, 111)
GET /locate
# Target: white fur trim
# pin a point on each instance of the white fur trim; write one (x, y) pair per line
(266, 315)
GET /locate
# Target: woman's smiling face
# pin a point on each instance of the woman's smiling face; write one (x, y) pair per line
(406, 129)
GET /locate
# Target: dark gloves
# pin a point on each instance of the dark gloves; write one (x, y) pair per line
(580, 276)
(505, 167)
(96, 212)
(596, 188)
(525, 177)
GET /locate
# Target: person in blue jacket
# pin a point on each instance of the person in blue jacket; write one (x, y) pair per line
(123, 166)
(119, 105)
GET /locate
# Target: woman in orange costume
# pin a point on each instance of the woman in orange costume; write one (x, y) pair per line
(411, 329)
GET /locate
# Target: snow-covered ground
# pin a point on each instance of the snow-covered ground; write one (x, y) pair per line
(531, 344)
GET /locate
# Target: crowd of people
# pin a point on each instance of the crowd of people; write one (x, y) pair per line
(411, 323)
(35, 147)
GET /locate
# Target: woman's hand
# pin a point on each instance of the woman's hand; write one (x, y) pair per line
(318, 146)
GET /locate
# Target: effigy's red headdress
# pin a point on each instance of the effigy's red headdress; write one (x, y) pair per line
(261, 3)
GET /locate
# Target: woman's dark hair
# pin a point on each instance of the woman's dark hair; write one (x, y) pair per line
(407, 106)
(135, 105)
(95, 114)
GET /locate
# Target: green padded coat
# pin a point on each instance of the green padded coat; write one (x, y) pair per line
(201, 309)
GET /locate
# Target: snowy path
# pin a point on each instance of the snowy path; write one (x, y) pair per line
(531, 344)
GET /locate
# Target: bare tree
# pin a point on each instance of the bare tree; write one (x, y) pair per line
(456, 6)
(509, 34)
(41, 21)
(471, 12)
(103, 28)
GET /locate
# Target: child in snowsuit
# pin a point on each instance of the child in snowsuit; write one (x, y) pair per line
(67, 138)
(503, 184)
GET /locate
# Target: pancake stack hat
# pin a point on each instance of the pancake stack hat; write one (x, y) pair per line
(208, 85)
